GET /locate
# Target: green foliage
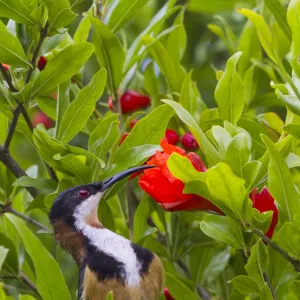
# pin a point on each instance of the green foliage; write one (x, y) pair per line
(226, 71)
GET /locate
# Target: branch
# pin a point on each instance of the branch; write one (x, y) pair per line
(15, 168)
(269, 242)
(203, 292)
(29, 283)
(268, 282)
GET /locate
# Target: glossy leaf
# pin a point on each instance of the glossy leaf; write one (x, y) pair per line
(229, 93)
(81, 108)
(245, 285)
(62, 67)
(3, 254)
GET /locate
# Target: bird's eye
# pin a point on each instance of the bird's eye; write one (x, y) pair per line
(84, 193)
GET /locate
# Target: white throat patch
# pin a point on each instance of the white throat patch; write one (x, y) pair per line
(107, 241)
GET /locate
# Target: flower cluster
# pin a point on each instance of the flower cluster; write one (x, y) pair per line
(167, 190)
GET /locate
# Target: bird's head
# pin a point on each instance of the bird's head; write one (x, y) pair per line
(78, 205)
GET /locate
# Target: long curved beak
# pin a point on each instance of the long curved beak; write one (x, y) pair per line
(107, 183)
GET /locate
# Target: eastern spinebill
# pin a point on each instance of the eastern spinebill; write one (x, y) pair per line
(106, 260)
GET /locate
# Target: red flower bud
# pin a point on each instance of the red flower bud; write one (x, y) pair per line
(133, 122)
(167, 294)
(265, 202)
(172, 137)
(188, 142)
(132, 101)
(6, 67)
(124, 136)
(167, 190)
(42, 63)
(39, 117)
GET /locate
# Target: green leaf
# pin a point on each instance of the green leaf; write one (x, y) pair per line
(62, 67)
(46, 186)
(281, 184)
(263, 31)
(141, 216)
(290, 101)
(211, 7)
(149, 130)
(190, 97)
(257, 262)
(293, 16)
(238, 154)
(229, 93)
(62, 103)
(106, 216)
(294, 287)
(293, 129)
(265, 293)
(11, 258)
(47, 105)
(81, 108)
(209, 150)
(198, 188)
(109, 52)
(182, 168)
(223, 229)
(280, 12)
(245, 285)
(250, 171)
(121, 12)
(222, 137)
(47, 271)
(82, 32)
(167, 66)
(16, 10)
(178, 289)
(3, 254)
(59, 13)
(228, 191)
(110, 296)
(11, 51)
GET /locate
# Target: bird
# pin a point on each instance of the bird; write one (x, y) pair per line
(107, 261)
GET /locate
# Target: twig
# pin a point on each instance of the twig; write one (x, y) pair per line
(269, 242)
(9, 209)
(268, 282)
(29, 283)
(15, 168)
(203, 292)
(12, 127)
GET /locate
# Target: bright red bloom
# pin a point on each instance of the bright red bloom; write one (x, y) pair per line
(265, 202)
(42, 63)
(167, 294)
(167, 190)
(6, 67)
(124, 136)
(172, 137)
(133, 122)
(188, 142)
(40, 117)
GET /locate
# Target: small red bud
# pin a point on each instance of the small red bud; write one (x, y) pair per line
(39, 117)
(110, 103)
(133, 122)
(167, 294)
(6, 67)
(132, 101)
(124, 136)
(188, 142)
(42, 63)
(172, 137)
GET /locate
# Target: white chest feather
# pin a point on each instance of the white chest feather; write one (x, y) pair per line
(110, 243)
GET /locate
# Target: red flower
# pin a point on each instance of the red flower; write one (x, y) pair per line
(172, 137)
(188, 142)
(167, 294)
(131, 101)
(265, 202)
(40, 117)
(167, 190)
(124, 136)
(6, 67)
(42, 63)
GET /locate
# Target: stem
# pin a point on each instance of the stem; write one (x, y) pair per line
(15, 168)
(203, 292)
(268, 282)
(29, 283)
(7, 79)
(12, 127)
(269, 242)
(9, 209)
